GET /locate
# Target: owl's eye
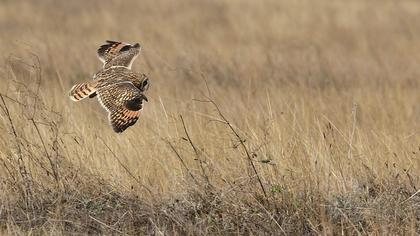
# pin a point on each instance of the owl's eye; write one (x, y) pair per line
(125, 48)
(145, 84)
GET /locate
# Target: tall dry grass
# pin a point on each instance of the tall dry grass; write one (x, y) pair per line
(264, 117)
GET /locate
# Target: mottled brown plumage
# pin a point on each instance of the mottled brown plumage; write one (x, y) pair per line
(123, 101)
(120, 90)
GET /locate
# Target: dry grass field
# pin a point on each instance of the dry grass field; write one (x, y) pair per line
(265, 117)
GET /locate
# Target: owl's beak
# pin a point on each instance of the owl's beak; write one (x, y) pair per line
(145, 98)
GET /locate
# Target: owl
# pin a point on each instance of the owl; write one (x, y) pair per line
(119, 89)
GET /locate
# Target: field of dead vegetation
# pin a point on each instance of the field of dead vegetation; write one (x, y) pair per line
(265, 117)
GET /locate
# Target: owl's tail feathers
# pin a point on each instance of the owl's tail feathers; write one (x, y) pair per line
(81, 91)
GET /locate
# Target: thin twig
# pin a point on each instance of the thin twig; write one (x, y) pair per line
(271, 217)
(22, 169)
(176, 153)
(241, 141)
(348, 219)
(197, 155)
(412, 196)
(125, 168)
(38, 83)
(102, 223)
(180, 159)
(353, 113)
(53, 166)
(242, 144)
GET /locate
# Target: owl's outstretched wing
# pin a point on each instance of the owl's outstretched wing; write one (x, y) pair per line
(123, 101)
(114, 53)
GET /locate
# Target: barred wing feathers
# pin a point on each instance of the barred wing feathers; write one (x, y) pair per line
(83, 90)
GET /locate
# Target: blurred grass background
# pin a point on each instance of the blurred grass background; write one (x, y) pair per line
(324, 95)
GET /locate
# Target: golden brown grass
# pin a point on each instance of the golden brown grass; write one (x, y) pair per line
(321, 97)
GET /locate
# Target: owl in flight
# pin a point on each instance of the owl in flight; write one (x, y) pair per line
(119, 90)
